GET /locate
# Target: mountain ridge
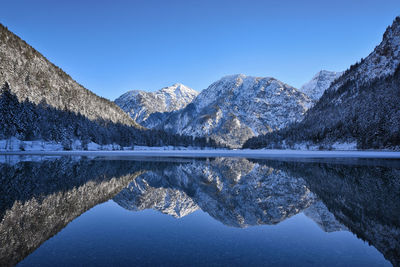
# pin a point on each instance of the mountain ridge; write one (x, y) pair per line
(32, 76)
(141, 104)
(237, 107)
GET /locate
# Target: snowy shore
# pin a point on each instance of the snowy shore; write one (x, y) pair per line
(220, 153)
(16, 147)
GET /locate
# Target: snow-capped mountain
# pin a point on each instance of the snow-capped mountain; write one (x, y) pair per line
(140, 104)
(238, 107)
(319, 83)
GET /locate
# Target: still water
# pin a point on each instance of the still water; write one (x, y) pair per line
(77, 211)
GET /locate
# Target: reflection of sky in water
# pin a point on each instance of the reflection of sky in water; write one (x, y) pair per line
(110, 235)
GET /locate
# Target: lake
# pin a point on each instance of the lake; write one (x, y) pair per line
(149, 211)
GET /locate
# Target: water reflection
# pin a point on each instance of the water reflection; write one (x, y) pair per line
(364, 196)
(236, 192)
(38, 198)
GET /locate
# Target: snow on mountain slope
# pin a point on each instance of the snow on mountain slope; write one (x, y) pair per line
(319, 83)
(238, 107)
(31, 76)
(382, 62)
(140, 104)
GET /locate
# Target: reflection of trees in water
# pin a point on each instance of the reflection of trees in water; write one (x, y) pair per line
(38, 199)
(364, 196)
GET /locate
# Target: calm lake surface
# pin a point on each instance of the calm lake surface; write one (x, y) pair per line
(110, 211)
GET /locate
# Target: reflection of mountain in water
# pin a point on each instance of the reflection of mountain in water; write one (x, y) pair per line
(236, 192)
(359, 197)
(363, 197)
(320, 214)
(38, 199)
(140, 195)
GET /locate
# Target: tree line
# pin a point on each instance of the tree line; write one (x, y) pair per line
(366, 113)
(28, 121)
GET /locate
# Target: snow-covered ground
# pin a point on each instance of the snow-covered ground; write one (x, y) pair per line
(223, 153)
(15, 146)
(334, 146)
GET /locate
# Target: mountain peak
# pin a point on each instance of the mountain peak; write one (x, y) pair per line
(381, 62)
(241, 77)
(237, 107)
(140, 104)
(319, 83)
(178, 88)
(233, 76)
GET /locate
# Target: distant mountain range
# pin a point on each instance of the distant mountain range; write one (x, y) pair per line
(230, 110)
(238, 107)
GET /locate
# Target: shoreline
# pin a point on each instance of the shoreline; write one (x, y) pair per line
(219, 153)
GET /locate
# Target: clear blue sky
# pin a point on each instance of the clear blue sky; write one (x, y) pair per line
(114, 46)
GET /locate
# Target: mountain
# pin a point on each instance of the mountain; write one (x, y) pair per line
(140, 104)
(319, 83)
(31, 76)
(361, 106)
(39, 101)
(238, 107)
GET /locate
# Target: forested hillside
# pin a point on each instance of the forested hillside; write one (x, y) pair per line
(30, 75)
(28, 121)
(361, 106)
(39, 101)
